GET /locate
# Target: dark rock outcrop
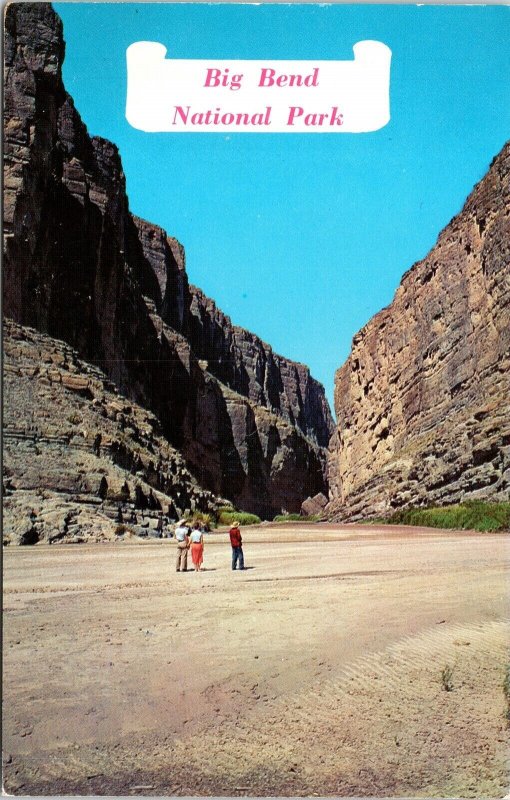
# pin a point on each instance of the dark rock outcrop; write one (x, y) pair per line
(79, 267)
(246, 364)
(423, 401)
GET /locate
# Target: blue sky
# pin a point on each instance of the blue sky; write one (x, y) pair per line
(302, 238)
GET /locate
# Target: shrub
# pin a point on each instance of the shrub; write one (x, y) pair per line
(228, 517)
(204, 520)
(447, 678)
(471, 515)
(296, 518)
(506, 691)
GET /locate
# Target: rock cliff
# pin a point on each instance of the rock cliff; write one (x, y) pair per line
(423, 401)
(78, 266)
(247, 365)
(74, 449)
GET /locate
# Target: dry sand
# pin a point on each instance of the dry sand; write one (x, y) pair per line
(318, 670)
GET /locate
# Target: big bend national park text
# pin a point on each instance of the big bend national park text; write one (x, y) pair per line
(296, 115)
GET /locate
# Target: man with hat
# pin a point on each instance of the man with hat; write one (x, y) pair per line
(237, 546)
(182, 539)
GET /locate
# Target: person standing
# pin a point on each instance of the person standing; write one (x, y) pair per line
(182, 539)
(197, 547)
(237, 546)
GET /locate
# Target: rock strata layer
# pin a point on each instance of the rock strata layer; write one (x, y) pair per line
(74, 449)
(78, 266)
(423, 401)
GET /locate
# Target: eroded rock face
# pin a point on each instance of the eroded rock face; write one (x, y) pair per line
(74, 448)
(246, 364)
(79, 267)
(423, 401)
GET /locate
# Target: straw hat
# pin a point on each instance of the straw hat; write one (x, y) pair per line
(235, 524)
(181, 522)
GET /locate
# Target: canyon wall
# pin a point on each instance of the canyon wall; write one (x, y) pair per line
(74, 448)
(78, 266)
(423, 401)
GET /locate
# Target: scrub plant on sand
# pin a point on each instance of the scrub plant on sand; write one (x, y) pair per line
(447, 678)
(506, 692)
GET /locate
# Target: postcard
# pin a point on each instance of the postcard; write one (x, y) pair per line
(256, 295)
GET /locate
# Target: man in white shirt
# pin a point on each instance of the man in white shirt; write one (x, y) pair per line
(182, 538)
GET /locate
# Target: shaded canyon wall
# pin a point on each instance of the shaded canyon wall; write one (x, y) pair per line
(78, 266)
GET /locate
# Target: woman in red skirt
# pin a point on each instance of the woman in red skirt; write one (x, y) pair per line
(197, 547)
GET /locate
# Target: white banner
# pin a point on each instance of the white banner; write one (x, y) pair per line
(211, 96)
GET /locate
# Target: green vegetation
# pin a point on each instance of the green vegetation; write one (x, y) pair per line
(471, 515)
(295, 518)
(226, 509)
(204, 520)
(227, 515)
(447, 678)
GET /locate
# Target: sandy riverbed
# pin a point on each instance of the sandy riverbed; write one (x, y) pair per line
(318, 670)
